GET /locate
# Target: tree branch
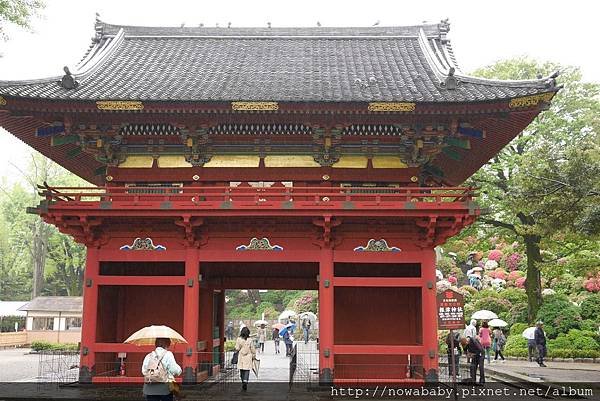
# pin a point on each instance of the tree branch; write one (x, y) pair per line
(497, 223)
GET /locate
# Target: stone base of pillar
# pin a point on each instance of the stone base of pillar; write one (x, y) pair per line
(85, 375)
(189, 376)
(326, 377)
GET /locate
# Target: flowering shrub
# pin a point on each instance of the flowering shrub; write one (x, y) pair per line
(592, 284)
(498, 273)
(520, 282)
(514, 275)
(491, 264)
(512, 261)
(496, 255)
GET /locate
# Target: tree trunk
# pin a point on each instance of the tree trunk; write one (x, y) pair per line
(533, 282)
(38, 255)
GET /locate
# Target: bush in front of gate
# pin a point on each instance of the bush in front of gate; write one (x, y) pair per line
(48, 346)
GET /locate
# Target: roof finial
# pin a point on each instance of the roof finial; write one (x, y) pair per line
(68, 81)
(269, 24)
(451, 82)
(229, 25)
(376, 23)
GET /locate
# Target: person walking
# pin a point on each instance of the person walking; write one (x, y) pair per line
(485, 338)
(470, 332)
(287, 340)
(540, 343)
(276, 339)
(262, 336)
(453, 353)
(531, 349)
(306, 329)
(159, 368)
(499, 343)
(475, 352)
(229, 331)
(247, 353)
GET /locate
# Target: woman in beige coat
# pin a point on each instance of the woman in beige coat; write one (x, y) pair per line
(247, 352)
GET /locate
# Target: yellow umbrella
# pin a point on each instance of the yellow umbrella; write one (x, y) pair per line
(149, 334)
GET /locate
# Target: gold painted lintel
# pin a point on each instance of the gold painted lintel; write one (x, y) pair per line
(528, 101)
(255, 106)
(391, 106)
(2, 101)
(119, 105)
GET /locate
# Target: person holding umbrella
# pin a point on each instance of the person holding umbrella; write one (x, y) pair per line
(160, 359)
(247, 353)
(159, 367)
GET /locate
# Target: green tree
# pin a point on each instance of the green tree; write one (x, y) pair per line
(545, 182)
(18, 12)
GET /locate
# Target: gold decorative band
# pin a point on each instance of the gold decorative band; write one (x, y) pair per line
(391, 106)
(2, 101)
(528, 101)
(257, 106)
(119, 105)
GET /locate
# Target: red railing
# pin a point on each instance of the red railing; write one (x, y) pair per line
(245, 196)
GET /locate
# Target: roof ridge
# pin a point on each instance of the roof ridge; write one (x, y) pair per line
(106, 29)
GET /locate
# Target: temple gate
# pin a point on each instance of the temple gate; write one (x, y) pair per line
(281, 158)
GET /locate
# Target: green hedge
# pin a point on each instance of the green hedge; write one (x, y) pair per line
(229, 345)
(48, 346)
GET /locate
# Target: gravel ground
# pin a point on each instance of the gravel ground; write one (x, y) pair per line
(17, 364)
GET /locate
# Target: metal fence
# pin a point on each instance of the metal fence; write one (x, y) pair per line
(61, 367)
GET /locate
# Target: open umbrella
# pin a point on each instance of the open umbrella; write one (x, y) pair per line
(278, 326)
(286, 314)
(147, 335)
(484, 314)
(261, 321)
(497, 323)
(308, 315)
(288, 327)
(529, 333)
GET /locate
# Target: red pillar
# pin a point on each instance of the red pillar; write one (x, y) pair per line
(326, 357)
(205, 329)
(90, 312)
(221, 320)
(429, 315)
(191, 298)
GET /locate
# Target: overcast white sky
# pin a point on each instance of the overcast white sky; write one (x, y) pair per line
(481, 31)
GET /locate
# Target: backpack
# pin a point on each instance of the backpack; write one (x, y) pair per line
(156, 372)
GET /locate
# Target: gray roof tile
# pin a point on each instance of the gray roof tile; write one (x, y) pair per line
(277, 64)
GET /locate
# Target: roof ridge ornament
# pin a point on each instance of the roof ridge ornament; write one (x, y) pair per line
(450, 82)
(68, 81)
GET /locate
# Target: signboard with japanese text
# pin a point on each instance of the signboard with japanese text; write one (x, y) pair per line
(451, 313)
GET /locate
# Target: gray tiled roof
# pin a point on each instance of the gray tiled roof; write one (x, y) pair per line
(278, 64)
(54, 304)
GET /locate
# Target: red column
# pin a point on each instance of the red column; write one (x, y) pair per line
(326, 357)
(205, 329)
(221, 320)
(90, 312)
(191, 298)
(429, 313)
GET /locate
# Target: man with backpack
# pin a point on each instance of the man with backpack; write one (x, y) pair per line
(159, 369)
(476, 352)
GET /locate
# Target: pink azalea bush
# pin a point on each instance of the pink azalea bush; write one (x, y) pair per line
(499, 274)
(592, 283)
(495, 254)
(514, 275)
(512, 262)
(520, 282)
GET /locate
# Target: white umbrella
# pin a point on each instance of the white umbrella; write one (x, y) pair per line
(497, 323)
(147, 335)
(286, 314)
(261, 321)
(529, 333)
(308, 315)
(484, 314)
